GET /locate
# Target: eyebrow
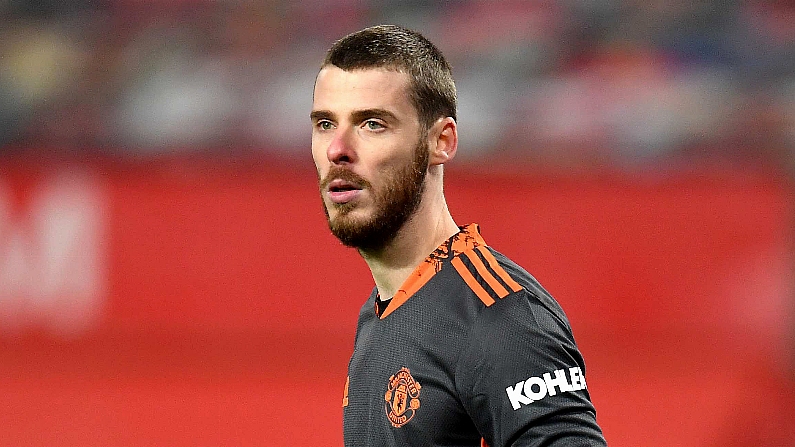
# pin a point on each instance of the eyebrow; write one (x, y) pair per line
(361, 115)
(318, 115)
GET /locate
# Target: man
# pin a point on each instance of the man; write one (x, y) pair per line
(456, 345)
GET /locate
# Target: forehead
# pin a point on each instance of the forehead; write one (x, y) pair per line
(341, 91)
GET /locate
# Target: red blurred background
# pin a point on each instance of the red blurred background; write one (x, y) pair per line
(167, 277)
(205, 303)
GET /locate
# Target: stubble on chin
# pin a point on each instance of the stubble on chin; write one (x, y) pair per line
(340, 209)
(394, 202)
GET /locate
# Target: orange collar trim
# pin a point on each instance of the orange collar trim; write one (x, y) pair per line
(467, 239)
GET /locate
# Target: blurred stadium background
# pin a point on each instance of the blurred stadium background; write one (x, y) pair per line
(167, 278)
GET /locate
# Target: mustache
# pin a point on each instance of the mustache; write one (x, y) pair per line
(339, 173)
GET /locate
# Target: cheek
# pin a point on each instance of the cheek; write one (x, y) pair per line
(397, 162)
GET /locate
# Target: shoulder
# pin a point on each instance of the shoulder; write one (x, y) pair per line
(501, 284)
(518, 319)
(484, 274)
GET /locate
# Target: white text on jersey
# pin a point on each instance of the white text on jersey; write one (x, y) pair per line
(536, 388)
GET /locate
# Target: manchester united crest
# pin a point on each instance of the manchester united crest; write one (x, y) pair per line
(402, 398)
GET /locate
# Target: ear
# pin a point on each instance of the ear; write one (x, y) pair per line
(443, 141)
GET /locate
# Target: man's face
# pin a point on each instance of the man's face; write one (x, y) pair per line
(369, 152)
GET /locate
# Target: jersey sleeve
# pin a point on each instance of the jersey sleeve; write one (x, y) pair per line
(522, 380)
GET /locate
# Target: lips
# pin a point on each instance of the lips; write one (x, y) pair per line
(343, 191)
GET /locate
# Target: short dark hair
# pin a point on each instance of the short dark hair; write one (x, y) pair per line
(432, 89)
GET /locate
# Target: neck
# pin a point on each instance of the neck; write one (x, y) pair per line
(430, 225)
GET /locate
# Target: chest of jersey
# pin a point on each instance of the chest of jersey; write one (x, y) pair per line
(402, 387)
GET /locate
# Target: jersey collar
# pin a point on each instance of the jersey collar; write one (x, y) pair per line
(466, 239)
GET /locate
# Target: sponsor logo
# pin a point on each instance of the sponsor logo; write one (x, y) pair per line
(402, 398)
(536, 388)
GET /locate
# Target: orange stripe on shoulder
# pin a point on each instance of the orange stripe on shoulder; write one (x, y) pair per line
(473, 284)
(498, 269)
(490, 279)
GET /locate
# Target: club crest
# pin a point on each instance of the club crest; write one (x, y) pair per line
(402, 398)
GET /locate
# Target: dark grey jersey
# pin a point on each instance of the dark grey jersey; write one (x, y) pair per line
(471, 351)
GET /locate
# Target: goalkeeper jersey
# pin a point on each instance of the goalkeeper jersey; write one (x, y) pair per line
(471, 351)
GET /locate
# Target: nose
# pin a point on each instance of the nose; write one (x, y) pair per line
(340, 150)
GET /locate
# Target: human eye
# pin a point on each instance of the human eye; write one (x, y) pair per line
(324, 125)
(374, 125)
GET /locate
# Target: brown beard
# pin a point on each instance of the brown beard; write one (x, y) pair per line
(395, 203)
